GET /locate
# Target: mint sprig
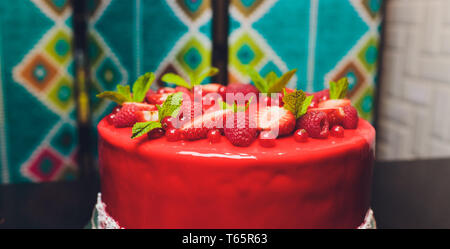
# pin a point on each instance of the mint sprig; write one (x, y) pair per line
(338, 90)
(123, 93)
(271, 83)
(194, 79)
(142, 128)
(170, 107)
(297, 102)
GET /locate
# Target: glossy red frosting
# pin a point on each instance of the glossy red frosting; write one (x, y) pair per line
(160, 184)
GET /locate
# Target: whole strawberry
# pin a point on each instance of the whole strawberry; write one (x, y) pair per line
(315, 123)
(126, 116)
(350, 117)
(240, 129)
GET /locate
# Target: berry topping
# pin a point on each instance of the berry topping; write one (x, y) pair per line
(334, 103)
(315, 123)
(126, 116)
(242, 88)
(335, 115)
(146, 116)
(273, 100)
(168, 122)
(211, 88)
(267, 139)
(222, 91)
(172, 135)
(214, 136)
(301, 135)
(165, 90)
(240, 129)
(321, 96)
(155, 133)
(276, 119)
(350, 117)
(337, 131)
(192, 108)
(157, 98)
(198, 127)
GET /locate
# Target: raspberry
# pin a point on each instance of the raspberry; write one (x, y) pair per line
(315, 123)
(335, 116)
(240, 130)
(350, 117)
(126, 116)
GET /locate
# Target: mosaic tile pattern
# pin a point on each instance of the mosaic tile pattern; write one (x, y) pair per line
(312, 36)
(39, 138)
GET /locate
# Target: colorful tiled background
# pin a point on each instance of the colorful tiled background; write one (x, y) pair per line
(324, 39)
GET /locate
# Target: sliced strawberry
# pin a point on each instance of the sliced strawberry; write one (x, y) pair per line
(142, 106)
(157, 99)
(166, 90)
(275, 117)
(145, 116)
(321, 96)
(211, 88)
(198, 127)
(334, 103)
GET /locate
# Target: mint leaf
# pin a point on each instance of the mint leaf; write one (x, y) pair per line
(259, 82)
(197, 80)
(170, 107)
(305, 105)
(281, 82)
(125, 91)
(338, 90)
(271, 78)
(297, 103)
(119, 98)
(141, 86)
(142, 128)
(172, 78)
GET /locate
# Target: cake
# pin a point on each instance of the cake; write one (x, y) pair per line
(310, 168)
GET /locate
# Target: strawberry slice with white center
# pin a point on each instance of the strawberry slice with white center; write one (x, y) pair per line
(146, 116)
(198, 127)
(331, 103)
(275, 117)
(141, 106)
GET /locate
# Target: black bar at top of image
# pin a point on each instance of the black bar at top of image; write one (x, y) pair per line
(220, 30)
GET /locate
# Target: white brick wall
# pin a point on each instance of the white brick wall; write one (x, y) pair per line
(415, 99)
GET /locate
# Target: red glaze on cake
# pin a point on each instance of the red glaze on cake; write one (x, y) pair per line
(321, 183)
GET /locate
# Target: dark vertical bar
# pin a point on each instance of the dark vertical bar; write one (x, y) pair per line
(379, 72)
(220, 22)
(80, 53)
